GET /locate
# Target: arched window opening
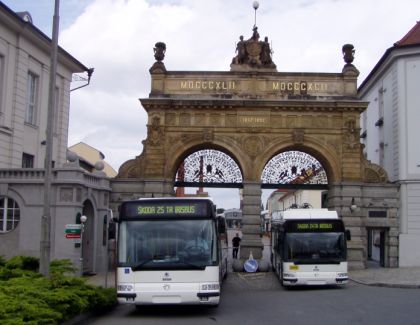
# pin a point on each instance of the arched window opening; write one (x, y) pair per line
(294, 167)
(208, 166)
(9, 214)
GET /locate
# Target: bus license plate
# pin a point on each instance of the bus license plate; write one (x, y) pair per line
(294, 267)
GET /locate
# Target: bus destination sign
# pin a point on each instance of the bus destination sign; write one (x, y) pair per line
(307, 226)
(162, 208)
(316, 226)
(166, 209)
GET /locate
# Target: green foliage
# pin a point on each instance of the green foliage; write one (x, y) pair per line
(26, 297)
(62, 267)
(23, 262)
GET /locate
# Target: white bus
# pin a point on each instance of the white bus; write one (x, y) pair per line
(308, 247)
(170, 251)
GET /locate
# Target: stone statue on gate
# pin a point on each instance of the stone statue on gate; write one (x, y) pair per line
(253, 54)
(159, 66)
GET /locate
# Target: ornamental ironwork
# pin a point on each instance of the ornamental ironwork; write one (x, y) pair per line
(294, 167)
(209, 166)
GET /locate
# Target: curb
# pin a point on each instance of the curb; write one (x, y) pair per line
(387, 285)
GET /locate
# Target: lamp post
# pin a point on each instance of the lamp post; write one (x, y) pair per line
(45, 241)
(83, 219)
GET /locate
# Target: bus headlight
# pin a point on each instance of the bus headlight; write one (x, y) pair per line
(342, 275)
(125, 287)
(210, 286)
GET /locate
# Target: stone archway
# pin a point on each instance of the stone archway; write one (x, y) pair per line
(252, 112)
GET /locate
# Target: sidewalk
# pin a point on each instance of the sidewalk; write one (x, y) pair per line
(402, 277)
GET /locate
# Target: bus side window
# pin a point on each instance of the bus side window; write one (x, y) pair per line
(280, 243)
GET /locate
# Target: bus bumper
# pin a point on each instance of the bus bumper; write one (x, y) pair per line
(174, 298)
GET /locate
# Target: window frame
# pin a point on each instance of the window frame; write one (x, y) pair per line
(5, 219)
(32, 89)
(27, 157)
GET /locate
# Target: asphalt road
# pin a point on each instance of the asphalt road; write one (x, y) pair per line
(259, 299)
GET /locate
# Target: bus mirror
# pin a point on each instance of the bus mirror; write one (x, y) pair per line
(348, 234)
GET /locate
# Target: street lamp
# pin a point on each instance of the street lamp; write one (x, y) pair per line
(83, 220)
(353, 205)
(255, 5)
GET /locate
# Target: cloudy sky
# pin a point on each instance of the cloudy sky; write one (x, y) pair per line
(116, 37)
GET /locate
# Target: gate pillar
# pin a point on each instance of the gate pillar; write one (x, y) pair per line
(340, 199)
(251, 221)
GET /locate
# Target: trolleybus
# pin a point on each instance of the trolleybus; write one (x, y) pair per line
(308, 247)
(170, 251)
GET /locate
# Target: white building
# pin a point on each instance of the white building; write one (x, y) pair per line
(390, 132)
(24, 85)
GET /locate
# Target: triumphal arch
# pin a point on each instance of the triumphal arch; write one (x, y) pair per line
(252, 113)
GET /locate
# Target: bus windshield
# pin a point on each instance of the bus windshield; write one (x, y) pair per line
(310, 248)
(167, 244)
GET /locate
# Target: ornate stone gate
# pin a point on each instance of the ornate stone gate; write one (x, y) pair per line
(253, 113)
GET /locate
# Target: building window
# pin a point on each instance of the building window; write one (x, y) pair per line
(9, 214)
(27, 160)
(30, 116)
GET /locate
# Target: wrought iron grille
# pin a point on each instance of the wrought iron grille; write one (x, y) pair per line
(209, 166)
(294, 167)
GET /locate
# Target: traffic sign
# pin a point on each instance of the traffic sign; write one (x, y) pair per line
(73, 226)
(73, 229)
(72, 236)
(251, 265)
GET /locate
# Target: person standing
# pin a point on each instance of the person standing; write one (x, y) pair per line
(235, 243)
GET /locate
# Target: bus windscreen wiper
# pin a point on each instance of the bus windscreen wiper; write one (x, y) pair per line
(138, 266)
(195, 266)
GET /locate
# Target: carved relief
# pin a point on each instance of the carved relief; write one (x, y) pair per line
(132, 168)
(185, 119)
(291, 121)
(208, 135)
(155, 132)
(170, 119)
(187, 138)
(298, 136)
(66, 194)
(231, 120)
(351, 135)
(277, 121)
(253, 145)
(374, 173)
(215, 119)
(199, 119)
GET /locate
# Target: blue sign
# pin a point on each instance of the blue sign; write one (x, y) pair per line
(251, 266)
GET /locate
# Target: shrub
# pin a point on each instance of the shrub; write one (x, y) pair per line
(28, 263)
(26, 297)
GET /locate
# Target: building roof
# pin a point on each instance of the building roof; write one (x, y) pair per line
(411, 39)
(92, 155)
(22, 23)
